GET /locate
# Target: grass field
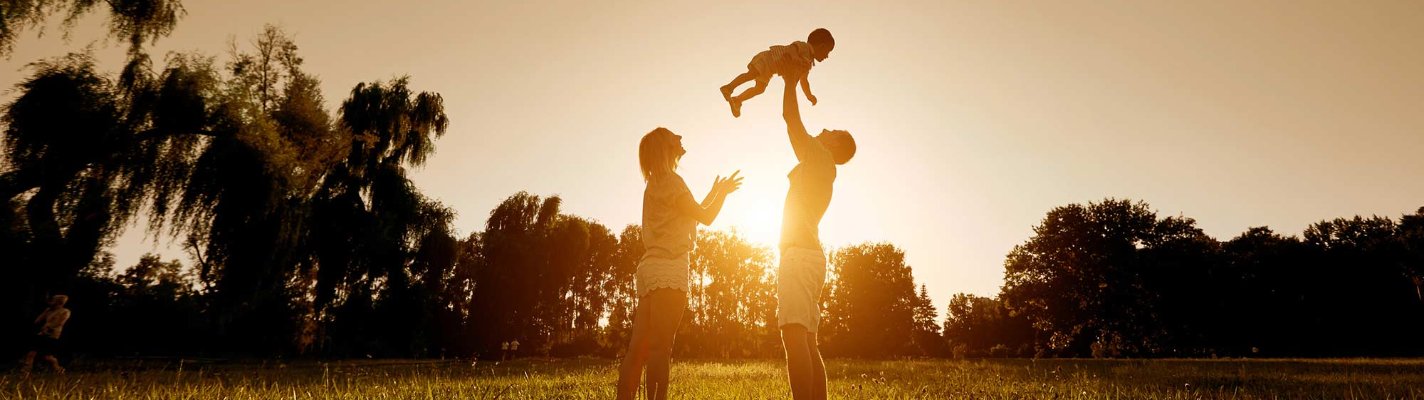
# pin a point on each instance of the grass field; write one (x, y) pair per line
(752, 379)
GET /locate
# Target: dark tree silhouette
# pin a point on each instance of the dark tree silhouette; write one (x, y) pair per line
(133, 21)
(1110, 279)
(870, 309)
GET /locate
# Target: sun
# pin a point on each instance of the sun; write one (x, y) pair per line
(758, 222)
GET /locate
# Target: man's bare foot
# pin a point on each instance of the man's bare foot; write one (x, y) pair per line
(727, 92)
(736, 107)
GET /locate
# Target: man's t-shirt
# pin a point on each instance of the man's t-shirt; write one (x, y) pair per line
(808, 197)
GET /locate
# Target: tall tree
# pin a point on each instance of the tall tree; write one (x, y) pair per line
(370, 217)
(1079, 278)
(870, 310)
(733, 313)
(927, 338)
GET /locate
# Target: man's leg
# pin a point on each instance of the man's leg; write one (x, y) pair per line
(28, 363)
(818, 368)
(798, 360)
(54, 364)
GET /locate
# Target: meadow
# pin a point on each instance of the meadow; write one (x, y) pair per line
(743, 379)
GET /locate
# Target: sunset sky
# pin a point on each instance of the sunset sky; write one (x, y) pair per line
(973, 118)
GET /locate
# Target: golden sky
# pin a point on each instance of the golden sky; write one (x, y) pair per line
(973, 118)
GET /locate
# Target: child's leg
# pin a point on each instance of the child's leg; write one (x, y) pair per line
(736, 102)
(754, 90)
(738, 81)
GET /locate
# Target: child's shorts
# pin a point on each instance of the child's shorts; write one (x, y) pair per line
(763, 65)
(799, 279)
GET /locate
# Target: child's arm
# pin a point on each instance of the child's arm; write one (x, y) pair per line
(806, 87)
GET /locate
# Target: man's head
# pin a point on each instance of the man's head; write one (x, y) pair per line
(822, 43)
(840, 143)
(58, 300)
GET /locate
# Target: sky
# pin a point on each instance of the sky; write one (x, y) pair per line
(973, 118)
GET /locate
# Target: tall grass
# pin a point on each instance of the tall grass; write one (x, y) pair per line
(749, 379)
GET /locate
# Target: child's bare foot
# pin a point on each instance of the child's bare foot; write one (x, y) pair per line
(736, 107)
(727, 92)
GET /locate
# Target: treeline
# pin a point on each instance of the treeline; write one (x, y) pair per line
(1112, 279)
(307, 238)
(560, 284)
(304, 233)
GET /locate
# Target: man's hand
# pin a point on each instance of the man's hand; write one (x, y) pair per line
(812, 98)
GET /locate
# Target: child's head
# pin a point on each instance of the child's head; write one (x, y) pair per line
(659, 152)
(840, 143)
(822, 42)
(58, 300)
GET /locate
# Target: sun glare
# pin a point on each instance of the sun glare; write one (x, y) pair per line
(759, 222)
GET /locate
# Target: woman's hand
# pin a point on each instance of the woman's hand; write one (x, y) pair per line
(727, 185)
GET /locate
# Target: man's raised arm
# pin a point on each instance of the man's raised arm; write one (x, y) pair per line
(801, 141)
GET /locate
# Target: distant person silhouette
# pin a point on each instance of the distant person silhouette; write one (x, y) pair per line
(795, 59)
(802, 270)
(46, 342)
(670, 218)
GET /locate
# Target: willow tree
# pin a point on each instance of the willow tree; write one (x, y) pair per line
(61, 135)
(248, 199)
(83, 153)
(369, 218)
(133, 21)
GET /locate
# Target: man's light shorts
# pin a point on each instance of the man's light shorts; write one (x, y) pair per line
(799, 279)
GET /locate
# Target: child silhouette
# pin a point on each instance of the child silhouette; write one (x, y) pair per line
(795, 59)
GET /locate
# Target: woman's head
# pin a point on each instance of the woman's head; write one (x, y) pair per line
(659, 152)
(840, 143)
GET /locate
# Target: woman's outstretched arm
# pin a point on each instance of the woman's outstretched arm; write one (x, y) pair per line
(711, 205)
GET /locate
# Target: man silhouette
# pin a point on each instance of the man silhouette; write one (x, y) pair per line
(802, 270)
(45, 343)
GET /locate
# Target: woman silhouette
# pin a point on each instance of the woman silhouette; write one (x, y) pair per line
(670, 218)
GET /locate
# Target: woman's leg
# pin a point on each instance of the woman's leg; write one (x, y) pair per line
(667, 315)
(631, 369)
